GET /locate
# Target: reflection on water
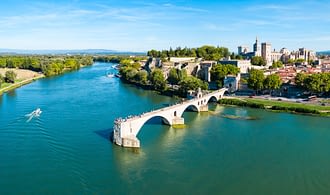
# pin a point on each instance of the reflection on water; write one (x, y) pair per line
(11, 93)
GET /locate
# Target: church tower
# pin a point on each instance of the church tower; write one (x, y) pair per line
(256, 48)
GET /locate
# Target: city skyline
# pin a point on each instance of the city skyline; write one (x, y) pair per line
(140, 26)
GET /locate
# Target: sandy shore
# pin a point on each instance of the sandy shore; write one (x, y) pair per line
(21, 74)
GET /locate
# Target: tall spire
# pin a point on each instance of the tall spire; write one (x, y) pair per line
(256, 39)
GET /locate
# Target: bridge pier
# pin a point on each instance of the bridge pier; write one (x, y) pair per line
(178, 121)
(204, 108)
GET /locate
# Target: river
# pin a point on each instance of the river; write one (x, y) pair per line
(67, 149)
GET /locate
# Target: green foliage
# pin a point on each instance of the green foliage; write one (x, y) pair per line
(241, 103)
(191, 83)
(277, 64)
(71, 64)
(128, 72)
(263, 104)
(300, 79)
(206, 52)
(256, 79)
(10, 76)
(300, 60)
(1, 80)
(141, 77)
(290, 61)
(157, 80)
(317, 83)
(49, 65)
(272, 82)
(219, 71)
(176, 75)
(258, 61)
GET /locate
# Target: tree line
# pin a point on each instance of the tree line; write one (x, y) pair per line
(133, 72)
(117, 58)
(317, 83)
(258, 81)
(47, 64)
(206, 52)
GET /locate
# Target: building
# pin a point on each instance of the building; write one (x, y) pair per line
(256, 48)
(270, 56)
(276, 56)
(231, 82)
(266, 52)
(205, 70)
(243, 49)
(243, 65)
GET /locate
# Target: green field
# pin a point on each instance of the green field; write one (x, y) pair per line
(275, 105)
(288, 104)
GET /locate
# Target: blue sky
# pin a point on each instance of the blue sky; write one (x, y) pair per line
(142, 25)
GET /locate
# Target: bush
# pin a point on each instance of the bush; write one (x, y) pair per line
(10, 76)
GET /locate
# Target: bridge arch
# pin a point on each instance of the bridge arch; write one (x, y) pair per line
(192, 107)
(213, 98)
(136, 127)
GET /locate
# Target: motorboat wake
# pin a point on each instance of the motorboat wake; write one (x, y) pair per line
(36, 113)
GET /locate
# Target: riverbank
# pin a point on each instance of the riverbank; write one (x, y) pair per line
(23, 77)
(275, 105)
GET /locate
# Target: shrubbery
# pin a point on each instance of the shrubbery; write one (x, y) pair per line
(263, 106)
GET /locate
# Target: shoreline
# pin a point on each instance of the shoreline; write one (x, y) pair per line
(19, 84)
(265, 104)
(277, 106)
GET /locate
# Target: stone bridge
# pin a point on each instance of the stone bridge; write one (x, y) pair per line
(126, 130)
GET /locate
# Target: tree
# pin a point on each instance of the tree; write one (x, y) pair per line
(10, 76)
(290, 61)
(219, 72)
(277, 64)
(141, 77)
(318, 83)
(300, 60)
(300, 79)
(128, 73)
(256, 79)
(1, 80)
(71, 64)
(191, 83)
(173, 77)
(176, 75)
(272, 82)
(157, 79)
(258, 61)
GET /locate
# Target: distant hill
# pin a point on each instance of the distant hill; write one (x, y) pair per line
(72, 52)
(323, 52)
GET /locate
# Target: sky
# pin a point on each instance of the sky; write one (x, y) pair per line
(135, 25)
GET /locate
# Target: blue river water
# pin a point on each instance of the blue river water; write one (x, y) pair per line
(66, 150)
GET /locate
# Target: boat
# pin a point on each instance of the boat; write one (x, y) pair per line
(110, 75)
(115, 67)
(117, 75)
(35, 113)
(38, 112)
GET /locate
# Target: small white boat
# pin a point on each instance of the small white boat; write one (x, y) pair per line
(115, 67)
(110, 75)
(36, 113)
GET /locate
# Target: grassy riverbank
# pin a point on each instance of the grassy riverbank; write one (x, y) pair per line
(23, 77)
(284, 106)
(10, 86)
